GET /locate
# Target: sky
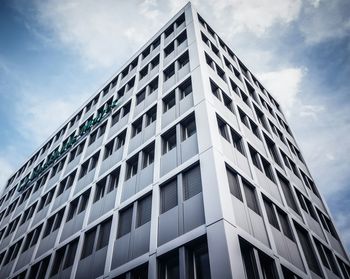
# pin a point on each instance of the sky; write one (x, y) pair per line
(54, 54)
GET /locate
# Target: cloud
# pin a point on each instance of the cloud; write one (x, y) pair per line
(101, 35)
(311, 111)
(39, 116)
(254, 16)
(325, 20)
(343, 223)
(6, 169)
(284, 85)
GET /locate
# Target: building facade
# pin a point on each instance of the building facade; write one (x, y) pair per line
(181, 166)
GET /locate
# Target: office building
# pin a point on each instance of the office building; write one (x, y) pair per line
(182, 165)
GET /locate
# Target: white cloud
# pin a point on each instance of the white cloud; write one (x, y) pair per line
(101, 35)
(284, 85)
(311, 111)
(325, 20)
(39, 116)
(6, 170)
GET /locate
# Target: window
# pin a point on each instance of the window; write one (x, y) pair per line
(70, 255)
(88, 245)
(237, 142)
(137, 127)
(121, 140)
(227, 102)
(114, 145)
(151, 116)
(131, 167)
(327, 224)
(148, 156)
(185, 88)
(12, 227)
(140, 272)
(344, 268)
(169, 266)
(46, 200)
(153, 86)
(12, 252)
(201, 266)
(125, 219)
(143, 72)
(168, 102)
(192, 182)
(154, 63)
(244, 118)
(93, 137)
(273, 151)
(169, 141)
(221, 95)
(169, 72)
(250, 261)
(66, 183)
(53, 223)
(84, 169)
(78, 205)
(234, 184)
(183, 60)
(28, 213)
(39, 270)
(250, 196)
(308, 250)
(284, 224)
(57, 263)
(31, 239)
(144, 209)
(215, 67)
(255, 158)
(288, 193)
(307, 206)
(168, 196)
(103, 236)
(169, 49)
(169, 31)
(140, 97)
(271, 215)
(115, 118)
(326, 257)
(106, 185)
(188, 128)
(255, 129)
(223, 129)
(267, 169)
(287, 274)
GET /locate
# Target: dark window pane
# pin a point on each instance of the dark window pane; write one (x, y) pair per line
(88, 243)
(192, 182)
(234, 185)
(250, 197)
(144, 211)
(168, 196)
(125, 219)
(103, 236)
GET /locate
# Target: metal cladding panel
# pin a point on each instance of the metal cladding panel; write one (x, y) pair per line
(193, 212)
(189, 148)
(121, 251)
(168, 116)
(47, 243)
(141, 240)
(25, 258)
(168, 161)
(168, 228)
